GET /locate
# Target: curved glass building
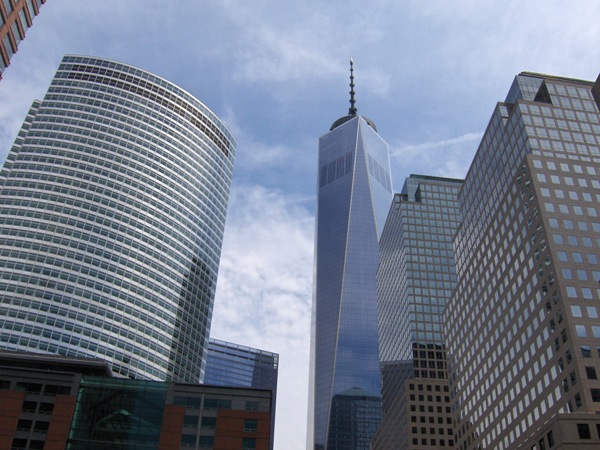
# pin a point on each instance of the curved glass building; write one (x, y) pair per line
(112, 210)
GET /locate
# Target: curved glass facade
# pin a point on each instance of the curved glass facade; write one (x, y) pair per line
(354, 196)
(112, 209)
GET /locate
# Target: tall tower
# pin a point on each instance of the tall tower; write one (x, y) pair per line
(523, 325)
(354, 195)
(415, 279)
(112, 210)
(15, 18)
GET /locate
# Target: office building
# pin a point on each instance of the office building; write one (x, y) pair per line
(523, 326)
(354, 196)
(112, 209)
(415, 279)
(16, 16)
(54, 403)
(229, 364)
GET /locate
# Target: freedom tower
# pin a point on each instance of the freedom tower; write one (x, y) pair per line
(354, 196)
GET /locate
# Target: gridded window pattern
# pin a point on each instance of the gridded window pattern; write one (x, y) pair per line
(37, 407)
(415, 279)
(112, 208)
(525, 280)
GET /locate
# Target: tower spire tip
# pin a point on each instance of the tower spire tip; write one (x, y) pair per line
(352, 111)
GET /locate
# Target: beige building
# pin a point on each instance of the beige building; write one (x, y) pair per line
(523, 326)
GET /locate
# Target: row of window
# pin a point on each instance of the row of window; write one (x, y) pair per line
(143, 75)
(162, 97)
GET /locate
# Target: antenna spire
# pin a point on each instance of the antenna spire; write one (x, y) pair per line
(352, 111)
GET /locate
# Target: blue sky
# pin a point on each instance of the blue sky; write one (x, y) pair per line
(428, 73)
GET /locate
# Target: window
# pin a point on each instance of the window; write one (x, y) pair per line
(24, 425)
(250, 425)
(583, 429)
(8, 6)
(251, 405)
(41, 427)
(207, 441)
(550, 437)
(595, 395)
(36, 444)
(591, 373)
(190, 421)
(209, 422)
(213, 403)
(248, 444)
(45, 408)
(188, 440)
(29, 406)
(18, 444)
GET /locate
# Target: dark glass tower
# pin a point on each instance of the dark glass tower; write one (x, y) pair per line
(415, 278)
(112, 210)
(354, 195)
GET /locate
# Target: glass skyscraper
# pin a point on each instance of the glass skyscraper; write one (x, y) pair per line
(112, 209)
(354, 196)
(523, 327)
(415, 279)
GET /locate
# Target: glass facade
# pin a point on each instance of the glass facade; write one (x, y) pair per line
(229, 364)
(415, 279)
(522, 326)
(117, 414)
(112, 209)
(354, 196)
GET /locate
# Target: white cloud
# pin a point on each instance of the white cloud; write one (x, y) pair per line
(449, 157)
(264, 293)
(253, 152)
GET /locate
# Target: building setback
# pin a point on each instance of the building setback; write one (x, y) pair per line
(354, 194)
(15, 18)
(112, 209)
(415, 279)
(56, 403)
(523, 327)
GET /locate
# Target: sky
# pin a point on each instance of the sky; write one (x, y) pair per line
(428, 73)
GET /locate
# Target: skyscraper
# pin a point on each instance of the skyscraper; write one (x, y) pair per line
(229, 364)
(354, 195)
(415, 279)
(112, 209)
(15, 18)
(523, 327)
